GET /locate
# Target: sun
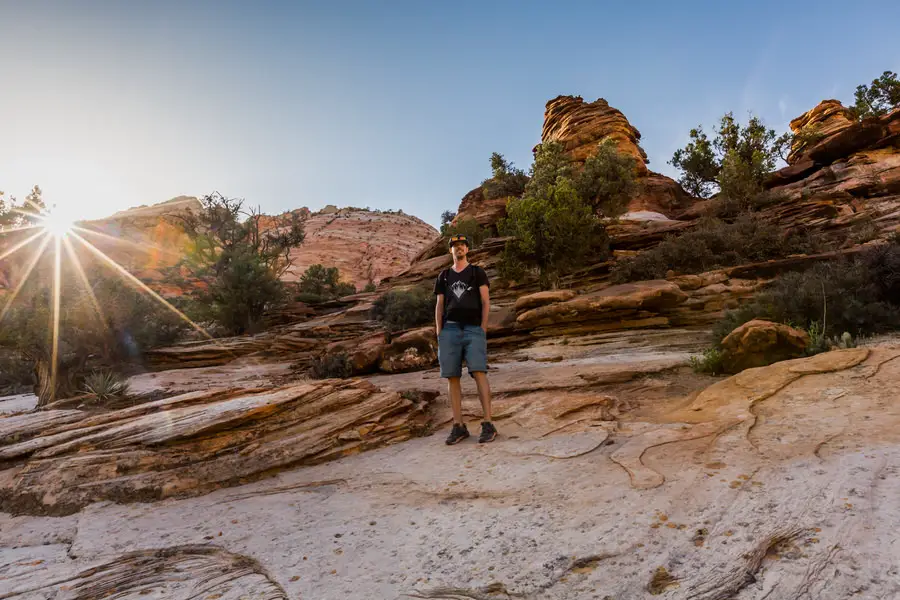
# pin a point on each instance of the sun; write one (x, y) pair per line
(56, 224)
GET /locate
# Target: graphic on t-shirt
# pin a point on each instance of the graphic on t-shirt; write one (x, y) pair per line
(458, 288)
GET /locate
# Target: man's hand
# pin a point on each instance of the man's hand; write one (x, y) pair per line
(438, 314)
(485, 306)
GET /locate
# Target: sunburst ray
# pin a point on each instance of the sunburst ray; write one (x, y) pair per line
(141, 246)
(30, 267)
(140, 284)
(82, 276)
(57, 293)
(22, 244)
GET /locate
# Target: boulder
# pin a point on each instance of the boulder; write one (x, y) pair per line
(759, 343)
(542, 299)
(412, 351)
(617, 304)
(364, 353)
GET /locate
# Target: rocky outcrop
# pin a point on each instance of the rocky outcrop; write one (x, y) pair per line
(486, 212)
(58, 461)
(412, 351)
(759, 343)
(579, 126)
(365, 245)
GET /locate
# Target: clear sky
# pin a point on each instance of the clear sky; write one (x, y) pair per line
(393, 105)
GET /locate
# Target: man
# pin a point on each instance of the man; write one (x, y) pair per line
(461, 319)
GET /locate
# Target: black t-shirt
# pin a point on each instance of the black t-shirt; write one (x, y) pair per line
(462, 298)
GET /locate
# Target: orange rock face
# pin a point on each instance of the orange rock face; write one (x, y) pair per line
(580, 126)
(759, 343)
(364, 245)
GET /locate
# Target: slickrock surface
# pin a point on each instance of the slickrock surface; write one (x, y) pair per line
(776, 483)
(365, 246)
(58, 461)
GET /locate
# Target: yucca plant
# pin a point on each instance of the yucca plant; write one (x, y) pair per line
(106, 385)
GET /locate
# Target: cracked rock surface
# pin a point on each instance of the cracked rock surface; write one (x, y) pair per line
(780, 482)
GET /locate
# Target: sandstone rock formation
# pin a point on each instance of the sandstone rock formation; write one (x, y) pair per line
(612, 477)
(580, 126)
(364, 245)
(758, 343)
(192, 443)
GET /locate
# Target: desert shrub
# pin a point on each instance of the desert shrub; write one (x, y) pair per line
(506, 180)
(332, 366)
(859, 296)
(110, 324)
(879, 98)
(607, 181)
(714, 244)
(370, 287)
(553, 232)
(404, 309)
(239, 256)
(554, 226)
(106, 385)
(709, 362)
(735, 158)
(320, 284)
(468, 227)
(16, 374)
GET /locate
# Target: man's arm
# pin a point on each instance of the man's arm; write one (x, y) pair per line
(485, 305)
(439, 313)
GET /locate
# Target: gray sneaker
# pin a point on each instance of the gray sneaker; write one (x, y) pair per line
(457, 434)
(488, 432)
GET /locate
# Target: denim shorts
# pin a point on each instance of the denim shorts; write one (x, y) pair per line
(457, 342)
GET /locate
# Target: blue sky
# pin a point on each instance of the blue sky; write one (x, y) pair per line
(393, 105)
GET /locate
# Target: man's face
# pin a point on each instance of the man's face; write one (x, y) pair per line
(459, 250)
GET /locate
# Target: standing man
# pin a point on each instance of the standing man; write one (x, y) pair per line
(461, 319)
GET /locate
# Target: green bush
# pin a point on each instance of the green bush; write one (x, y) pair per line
(240, 258)
(553, 233)
(859, 296)
(404, 309)
(607, 181)
(878, 99)
(106, 385)
(714, 244)
(128, 323)
(332, 366)
(710, 362)
(736, 157)
(370, 287)
(320, 284)
(505, 181)
(467, 227)
(16, 374)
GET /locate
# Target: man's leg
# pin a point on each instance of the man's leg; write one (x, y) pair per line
(450, 357)
(476, 359)
(484, 393)
(455, 388)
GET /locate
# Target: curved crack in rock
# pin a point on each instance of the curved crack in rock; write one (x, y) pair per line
(725, 405)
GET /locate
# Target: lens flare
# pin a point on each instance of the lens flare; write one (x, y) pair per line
(57, 225)
(54, 226)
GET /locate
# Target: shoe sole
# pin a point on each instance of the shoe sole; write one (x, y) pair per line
(457, 441)
(493, 435)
